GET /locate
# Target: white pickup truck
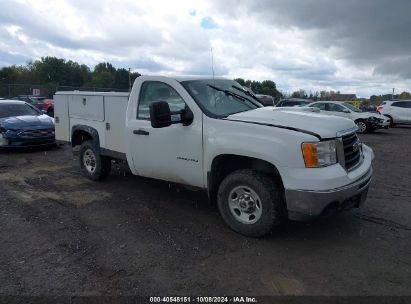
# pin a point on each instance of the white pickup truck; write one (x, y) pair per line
(262, 165)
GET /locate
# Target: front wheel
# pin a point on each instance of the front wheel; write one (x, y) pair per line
(93, 165)
(363, 126)
(251, 203)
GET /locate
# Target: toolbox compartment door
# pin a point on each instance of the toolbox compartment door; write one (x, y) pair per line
(90, 107)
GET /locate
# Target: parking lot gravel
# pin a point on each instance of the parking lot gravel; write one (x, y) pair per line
(62, 234)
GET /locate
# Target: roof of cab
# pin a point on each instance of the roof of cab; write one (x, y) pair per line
(10, 101)
(185, 78)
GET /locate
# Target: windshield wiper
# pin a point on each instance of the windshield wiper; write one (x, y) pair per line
(248, 93)
(227, 92)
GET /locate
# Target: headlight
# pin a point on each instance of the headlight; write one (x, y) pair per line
(321, 154)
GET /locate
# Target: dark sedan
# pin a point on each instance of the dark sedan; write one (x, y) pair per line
(36, 101)
(22, 125)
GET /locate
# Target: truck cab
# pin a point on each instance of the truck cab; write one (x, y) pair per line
(261, 165)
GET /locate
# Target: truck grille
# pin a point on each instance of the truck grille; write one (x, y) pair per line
(37, 133)
(352, 150)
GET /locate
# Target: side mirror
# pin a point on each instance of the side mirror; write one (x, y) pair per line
(346, 111)
(187, 116)
(160, 114)
(43, 111)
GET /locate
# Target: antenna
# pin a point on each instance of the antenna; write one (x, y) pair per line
(212, 69)
(129, 79)
(212, 62)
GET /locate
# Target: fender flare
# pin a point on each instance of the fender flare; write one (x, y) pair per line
(90, 130)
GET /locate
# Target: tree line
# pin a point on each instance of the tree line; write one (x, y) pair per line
(328, 95)
(265, 87)
(51, 73)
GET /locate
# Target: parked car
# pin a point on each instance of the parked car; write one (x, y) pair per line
(365, 121)
(48, 106)
(36, 101)
(22, 125)
(368, 108)
(293, 102)
(261, 165)
(266, 100)
(398, 111)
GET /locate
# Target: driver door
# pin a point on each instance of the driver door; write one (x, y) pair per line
(173, 153)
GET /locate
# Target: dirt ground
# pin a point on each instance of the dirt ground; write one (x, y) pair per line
(62, 234)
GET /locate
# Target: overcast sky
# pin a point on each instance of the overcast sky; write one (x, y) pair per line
(355, 46)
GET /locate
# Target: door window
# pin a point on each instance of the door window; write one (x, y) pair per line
(291, 103)
(402, 104)
(158, 91)
(320, 106)
(335, 107)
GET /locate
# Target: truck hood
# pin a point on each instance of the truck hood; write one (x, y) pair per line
(22, 122)
(298, 119)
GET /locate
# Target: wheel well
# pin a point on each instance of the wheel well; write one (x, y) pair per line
(80, 136)
(224, 164)
(390, 117)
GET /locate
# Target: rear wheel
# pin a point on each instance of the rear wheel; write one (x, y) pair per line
(92, 164)
(251, 203)
(362, 125)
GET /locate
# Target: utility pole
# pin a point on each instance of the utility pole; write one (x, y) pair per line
(392, 97)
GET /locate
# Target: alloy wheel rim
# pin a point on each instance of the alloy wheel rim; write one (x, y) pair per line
(361, 126)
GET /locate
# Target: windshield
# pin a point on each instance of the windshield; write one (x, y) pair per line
(351, 107)
(10, 110)
(220, 98)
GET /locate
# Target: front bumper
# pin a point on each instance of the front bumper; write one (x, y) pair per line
(380, 123)
(311, 204)
(312, 193)
(385, 124)
(16, 142)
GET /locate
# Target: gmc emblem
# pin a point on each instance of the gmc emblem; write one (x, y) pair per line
(356, 146)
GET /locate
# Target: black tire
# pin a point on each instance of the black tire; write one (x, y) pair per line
(363, 126)
(101, 164)
(271, 197)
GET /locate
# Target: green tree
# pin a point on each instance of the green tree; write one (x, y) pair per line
(104, 67)
(241, 81)
(299, 94)
(121, 79)
(405, 95)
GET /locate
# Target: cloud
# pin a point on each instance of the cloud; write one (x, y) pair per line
(353, 46)
(362, 32)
